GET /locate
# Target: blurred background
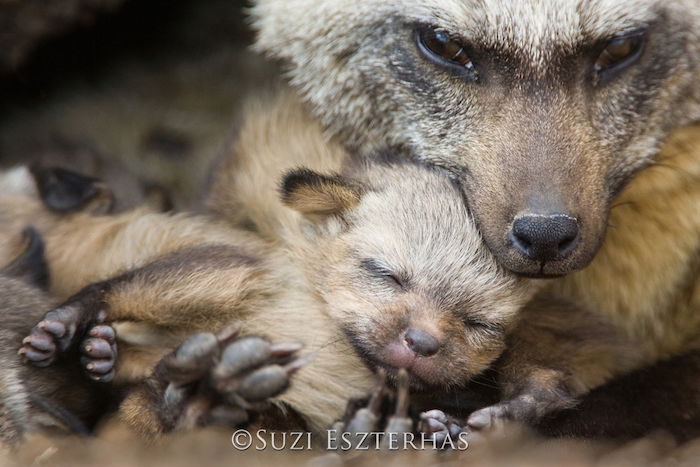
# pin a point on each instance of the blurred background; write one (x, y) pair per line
(142, 93)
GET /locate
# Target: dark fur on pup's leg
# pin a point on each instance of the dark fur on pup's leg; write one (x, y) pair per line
(543, 393)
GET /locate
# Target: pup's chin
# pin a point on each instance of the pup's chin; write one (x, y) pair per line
(421, 370)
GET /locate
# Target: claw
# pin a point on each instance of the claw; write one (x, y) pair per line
(97, 348)
(56, 328)
(437, 415)
(484, 418)
(432, 426)
(295, 365)
(227, 335)
(366, 419)
(399, 423)
(285, 349)
(40, 342)
(103, 331)
(37, 358)
(99, 367)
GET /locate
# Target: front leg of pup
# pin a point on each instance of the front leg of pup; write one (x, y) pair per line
(211, 380)
(165, 293)
(529, 395)
(558, 353)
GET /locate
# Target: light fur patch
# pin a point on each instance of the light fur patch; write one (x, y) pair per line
(18, 181)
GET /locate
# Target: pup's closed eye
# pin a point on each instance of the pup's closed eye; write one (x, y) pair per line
(376, 269)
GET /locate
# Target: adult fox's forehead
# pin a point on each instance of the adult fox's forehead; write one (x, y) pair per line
(534, 29)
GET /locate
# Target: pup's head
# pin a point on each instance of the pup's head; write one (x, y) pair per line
(404, 271)
(544, 109)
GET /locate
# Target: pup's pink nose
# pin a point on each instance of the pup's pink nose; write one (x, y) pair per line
(421, 342)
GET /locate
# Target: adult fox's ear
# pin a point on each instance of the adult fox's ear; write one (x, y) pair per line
(317, 195)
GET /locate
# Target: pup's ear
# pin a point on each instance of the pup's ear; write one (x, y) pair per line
(317, 195)
(66, 191)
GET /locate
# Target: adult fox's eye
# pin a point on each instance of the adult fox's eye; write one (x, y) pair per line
(437, 45)
(619, 53)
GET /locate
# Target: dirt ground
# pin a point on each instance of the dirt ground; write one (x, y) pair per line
(511, 446)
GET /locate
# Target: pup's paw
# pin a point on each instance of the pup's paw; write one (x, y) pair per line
(63, 329)
(223, 379)
(385, 412)
(438, 426)
(99, 353)
(542, 392)
(52, 336)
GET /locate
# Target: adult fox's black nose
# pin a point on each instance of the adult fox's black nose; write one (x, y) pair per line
(545, 238)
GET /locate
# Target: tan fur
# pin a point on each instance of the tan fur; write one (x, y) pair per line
(199, 299)
(579, 353)
(603, 327)
(244, 189)
(645, 278)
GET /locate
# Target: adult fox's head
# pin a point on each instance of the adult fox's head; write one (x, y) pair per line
(544, 109)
